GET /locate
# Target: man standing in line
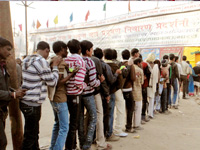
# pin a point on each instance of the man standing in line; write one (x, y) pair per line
(37, 75)
(185, 72)
(6, 95)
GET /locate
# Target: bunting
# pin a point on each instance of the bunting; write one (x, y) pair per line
(38, 24)
(129, 6)
(56, 20)
(104, 7)
(47, 23)
(86, 17)
(20, 27)
(71, 17)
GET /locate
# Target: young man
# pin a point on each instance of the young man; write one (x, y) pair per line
(137, 92)
(108, 104)
(99, 93)
(37, 75)
(75, 88)
(173, 76)
(127, 90)
(185, 72)
(5, 93)
(88, 97)
(59, 100)
(134, 54)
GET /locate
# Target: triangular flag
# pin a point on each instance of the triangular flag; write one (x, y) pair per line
(38, 24)
(129, 6)
(86, 17)
(47, 23)
(20, 27)
(56, 20)
(104, 7)
(33, 24)
(71, 17)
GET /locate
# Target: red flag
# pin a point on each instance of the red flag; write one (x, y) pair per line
(47, 23)
(38, 24)
(86, 17)
(20, 27)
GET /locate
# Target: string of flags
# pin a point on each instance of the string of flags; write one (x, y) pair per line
(37, 25)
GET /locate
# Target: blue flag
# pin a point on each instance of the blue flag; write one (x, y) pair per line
(71, 17)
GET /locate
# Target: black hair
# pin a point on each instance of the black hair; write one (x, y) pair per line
(5, 42)
(165, 57)
(74, 46)
(188, 62)
(137, 60)
(184, 58)
(164, 63)
(98, 53)
(140, 56)
(85, 45)
(176, 58)
(171, 56)
(114, 54)
(158, 62)
(134, 51)
(42, 45)
(108, 54)
(126, 54)
(58, 45)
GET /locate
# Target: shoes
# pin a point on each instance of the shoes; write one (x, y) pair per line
(130, 130)
(146, 119)
(150, 117)
(108, 147)
(123, 134)
(176, 107)
(138, 128)
(113, 138)
(143, 122)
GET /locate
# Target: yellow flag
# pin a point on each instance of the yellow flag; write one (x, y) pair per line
(56, 20)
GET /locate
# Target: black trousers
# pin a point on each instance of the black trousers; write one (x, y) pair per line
(73, 102)
(32, 117)
(144, 105)
(168, 89)
(130, 104)
(163, 99)
(185, 84)
(3, 140)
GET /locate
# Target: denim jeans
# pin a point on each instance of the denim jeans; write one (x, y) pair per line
(3, 140)
(109, 115)
(174, 84)
(157, 97)
(89, 103)
(61, 125)
(163, 99)
(130, 104)
(32, 117)
(73, 102)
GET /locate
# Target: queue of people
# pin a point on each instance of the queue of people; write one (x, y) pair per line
(86, 87)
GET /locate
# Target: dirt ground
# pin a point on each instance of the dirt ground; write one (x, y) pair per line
(179, 130)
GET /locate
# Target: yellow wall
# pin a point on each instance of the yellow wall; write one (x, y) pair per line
(191, 57)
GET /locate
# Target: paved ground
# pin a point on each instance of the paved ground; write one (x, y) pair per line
(179, 130)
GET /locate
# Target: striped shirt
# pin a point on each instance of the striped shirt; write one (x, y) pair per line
(91, 75)
(76, 84)
(37, 75)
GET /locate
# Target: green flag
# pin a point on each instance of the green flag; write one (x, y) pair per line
(104, 7)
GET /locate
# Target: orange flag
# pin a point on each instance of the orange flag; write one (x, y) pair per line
(38, 24)
(47, 23)
(86, 17)
(129, 7)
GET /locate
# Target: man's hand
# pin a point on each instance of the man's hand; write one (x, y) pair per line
(19, 93)
(56, 60)
(108, 99)
(118, 71)
(101, 78)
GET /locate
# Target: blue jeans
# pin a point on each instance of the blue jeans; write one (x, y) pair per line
(174, 84)
(108, 115)
(61, 125)
(89, 103)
